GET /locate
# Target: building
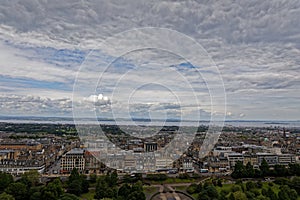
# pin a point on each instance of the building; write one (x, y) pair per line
(18, 167)
(92, 162)
(150, 146)
(129, 163)
(9, 154)
(34, 146)
(272, 159)
(73, 159)
(233, 158)
(252, 159)
(162, 163)
(285, 159)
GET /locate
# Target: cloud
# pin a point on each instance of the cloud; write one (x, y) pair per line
(98, 99)
(254, 43)
(34, 105)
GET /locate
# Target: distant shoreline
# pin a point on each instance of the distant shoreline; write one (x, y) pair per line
(169, 122)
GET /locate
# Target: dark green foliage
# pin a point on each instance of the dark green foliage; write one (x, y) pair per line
(77, 184)
(236, 188)
(250, 185)
(295, 184)
(75, 187)
(101, 189)
(136, 195)
(223, 194)
(36, 196)
(192, 189)
(287, 193)
(125, 192)
(5, 180)
(280, 170)
(156, 177)
(239, 195)
(250, 195)
(5, 196)
(209, 192)
(294, 169)
(52, 191)
(219, 183)
(184, 176)
(271, 194)
(111, 179)
(283, 193)
(93, 178)
(17, 190)
(281, 181)
(250, 173)
(264, 168)
(259, 184)
(239, 170)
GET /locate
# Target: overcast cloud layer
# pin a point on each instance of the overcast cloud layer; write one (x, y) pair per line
(255, 44)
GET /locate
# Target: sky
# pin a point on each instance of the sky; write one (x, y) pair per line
(192, 60)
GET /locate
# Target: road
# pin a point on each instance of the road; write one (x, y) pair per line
(167, 191)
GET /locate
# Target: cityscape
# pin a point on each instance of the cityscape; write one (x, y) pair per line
(149, 100)
(55, 150)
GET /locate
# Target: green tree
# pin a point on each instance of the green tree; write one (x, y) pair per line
(283, 194)
(236, 188)
(294, 169)
(293, 194)
(36, 196)
(203, 196)
(231, 197)
(53, 190)
(5, 180)
(209, 191)
(239, 195)
(295, 184)
(136, 195)
(31, 178)
(124, 190)
(264, 168)
(75, 187)
(5, 196)
(223, 195)
(17, 190)
(250, 195)
(74, 175)
(113, 179)
(280, 170)
(84, 184)
(271, 194)
(93, 178)
(250, 185)
(192, 189)
(239, 170)
(249, 170)
(101, 189)
(219, 183)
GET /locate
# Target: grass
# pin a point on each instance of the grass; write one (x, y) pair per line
(150, 189)
(226, 187)
(180, 188)
(88, 196)
(265, 185)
